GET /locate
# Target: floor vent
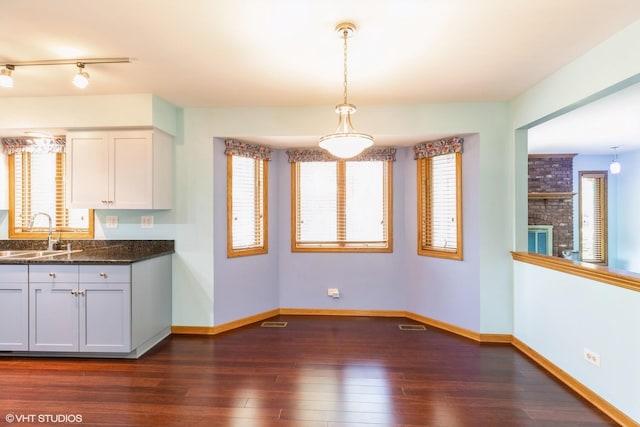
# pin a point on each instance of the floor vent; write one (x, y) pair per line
(412, 327)
(273, 325)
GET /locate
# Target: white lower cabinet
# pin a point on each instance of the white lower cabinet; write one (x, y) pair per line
(14, 308)
(78, 308)
(106, 310)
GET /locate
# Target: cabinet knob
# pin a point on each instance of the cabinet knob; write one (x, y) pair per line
(52, 275)
(81, 293)
(103, 275)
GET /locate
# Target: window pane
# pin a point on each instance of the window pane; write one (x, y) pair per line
(365, 201)
(247, 217)
(317, 202)
(443, 202)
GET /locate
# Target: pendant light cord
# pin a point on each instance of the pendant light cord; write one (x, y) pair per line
(345, 34)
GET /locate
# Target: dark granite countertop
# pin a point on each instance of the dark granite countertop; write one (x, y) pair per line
(91, 251)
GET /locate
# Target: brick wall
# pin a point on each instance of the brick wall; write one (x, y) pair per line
(552, 174)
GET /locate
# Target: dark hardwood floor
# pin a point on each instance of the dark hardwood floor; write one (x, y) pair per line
(318, 371)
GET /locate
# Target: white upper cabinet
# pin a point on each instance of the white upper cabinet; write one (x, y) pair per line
(129, 169)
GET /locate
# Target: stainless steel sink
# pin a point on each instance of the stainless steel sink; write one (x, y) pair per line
(30, 254)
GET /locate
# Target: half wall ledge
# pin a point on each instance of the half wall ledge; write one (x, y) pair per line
(610, 276)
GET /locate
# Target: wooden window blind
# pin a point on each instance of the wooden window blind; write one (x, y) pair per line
(341, 206)
(37, 185)
(246, 206)
(593, 217)
(440, 206)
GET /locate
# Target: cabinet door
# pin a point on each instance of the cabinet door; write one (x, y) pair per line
(53, 313)
(53, 307)
(105, 317)
(132, 170)
(88, 170)
(14, 308)
(105, 310)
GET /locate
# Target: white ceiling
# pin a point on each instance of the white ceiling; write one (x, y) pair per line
(613, 121)
(206, 53)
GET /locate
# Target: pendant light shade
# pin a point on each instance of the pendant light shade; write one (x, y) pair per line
(345, 142)
(615, 166)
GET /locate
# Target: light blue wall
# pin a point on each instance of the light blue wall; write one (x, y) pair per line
(367, 281)
(628, 206)
(556, 314)
(559, 315)
(243, 286)
(443, 289)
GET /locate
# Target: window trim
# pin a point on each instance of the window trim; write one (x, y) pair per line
(343, 247)
(423, 249)
(253, 250)
(13, 234)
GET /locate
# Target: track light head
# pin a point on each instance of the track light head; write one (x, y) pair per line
(6, 80)
(81, 80)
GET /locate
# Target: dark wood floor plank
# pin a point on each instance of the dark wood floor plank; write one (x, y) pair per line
(316, 372)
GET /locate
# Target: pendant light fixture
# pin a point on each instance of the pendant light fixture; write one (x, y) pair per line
(615, 167)
(345, 142)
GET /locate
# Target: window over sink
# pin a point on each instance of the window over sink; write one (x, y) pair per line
(37, 185)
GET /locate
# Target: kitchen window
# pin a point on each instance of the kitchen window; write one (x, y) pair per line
(341, 206)
(440, 199)
(247, 225)
(37, 185)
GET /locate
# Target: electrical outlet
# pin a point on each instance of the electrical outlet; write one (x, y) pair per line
(592, 357)
(333, 292)
(112, 221)
(146, 221)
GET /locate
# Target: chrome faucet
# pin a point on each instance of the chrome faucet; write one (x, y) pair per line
(50, 240)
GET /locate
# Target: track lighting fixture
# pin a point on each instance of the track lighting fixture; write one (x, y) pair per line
(81, 79)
